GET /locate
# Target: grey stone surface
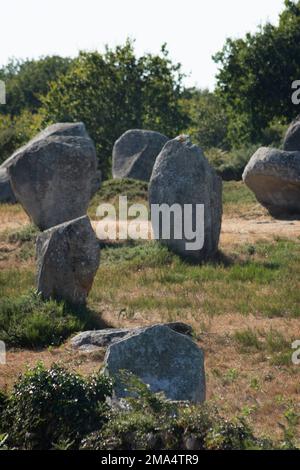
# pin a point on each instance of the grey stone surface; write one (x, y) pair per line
(274, 177)
(182, 175)
(75, 129)
(105, 337)
(291, 140)
(6, 192)
(134, 154)
(96, 182)
(68, 257)
(55, 174)
(167, 361)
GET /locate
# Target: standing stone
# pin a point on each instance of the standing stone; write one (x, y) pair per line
(274, 177)
(68, 257)
(291, 140)
(182, 176)
(167, 361)
(134, 154)
(6, 192)
(54, 175)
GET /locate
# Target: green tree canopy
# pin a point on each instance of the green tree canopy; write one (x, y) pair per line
(27, 80)
(255, 77)
(116, 91)
(208, 126)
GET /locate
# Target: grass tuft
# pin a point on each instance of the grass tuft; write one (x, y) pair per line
(28, 321)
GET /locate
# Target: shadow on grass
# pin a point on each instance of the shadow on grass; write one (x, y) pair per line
(31, 322)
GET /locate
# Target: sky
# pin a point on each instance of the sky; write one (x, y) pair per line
(194, 30)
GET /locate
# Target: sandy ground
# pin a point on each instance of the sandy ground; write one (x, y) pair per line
(235, 230)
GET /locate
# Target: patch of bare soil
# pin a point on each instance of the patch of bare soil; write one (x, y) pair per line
(238, 230)
(18, 360)
(235, 230)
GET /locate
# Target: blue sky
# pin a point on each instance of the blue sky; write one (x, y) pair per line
(193, 29)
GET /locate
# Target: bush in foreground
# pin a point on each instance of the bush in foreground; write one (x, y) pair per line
(58, 409)
(54, 407)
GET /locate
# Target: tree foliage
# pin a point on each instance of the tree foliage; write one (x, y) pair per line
(208, 127)
(116, 91)
(26, 81)
(255, 77)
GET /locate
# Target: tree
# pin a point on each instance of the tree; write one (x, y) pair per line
(116, 91)
(27, 80)
(208, 127)
(255, 77)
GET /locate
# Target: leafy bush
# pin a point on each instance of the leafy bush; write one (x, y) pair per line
(230, 165)
(28, 321)
(3, 399)
(57, 409)
(48, 407)
(151, 422)
(135, 190)
(16, 131)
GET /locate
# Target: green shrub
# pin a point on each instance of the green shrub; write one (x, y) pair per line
(3, 399)
(15, 132)
(135, 190)
(151, 422)
(48, 407)
(28, 321)
(230, 165)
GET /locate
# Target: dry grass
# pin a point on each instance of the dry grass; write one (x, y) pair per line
(244, 308)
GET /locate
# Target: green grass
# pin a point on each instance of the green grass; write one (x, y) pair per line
(28, 321)
(260, 279)
(236, 196)
(248, 339)
(135, 190)
(147, 276)
(273, 344)
(28, 233)
(14, 282)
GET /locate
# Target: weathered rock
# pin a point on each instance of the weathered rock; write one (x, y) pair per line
(105, 337)
(6, 192)
(291, 141)
(55, 174)
(167, 361)
(274, 177)
(134, 154)
(182, 176)
(68, 257)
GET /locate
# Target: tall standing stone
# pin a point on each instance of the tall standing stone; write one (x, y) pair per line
(182, 176)
(68, 257)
